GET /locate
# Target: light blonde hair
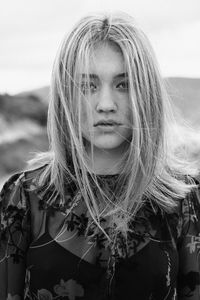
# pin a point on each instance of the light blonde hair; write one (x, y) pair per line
(150, 167)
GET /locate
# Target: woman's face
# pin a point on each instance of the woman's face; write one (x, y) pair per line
(105, 105)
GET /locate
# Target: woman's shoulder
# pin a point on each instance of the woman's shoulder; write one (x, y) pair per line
(189, 210)
(192, 199)
(17, 186)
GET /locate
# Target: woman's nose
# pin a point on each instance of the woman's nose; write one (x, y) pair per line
(106, 101)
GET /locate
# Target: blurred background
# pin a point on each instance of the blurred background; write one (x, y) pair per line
(30, 34)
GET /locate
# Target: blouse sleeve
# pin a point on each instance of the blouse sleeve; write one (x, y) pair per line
(15, 236)
(189, 248)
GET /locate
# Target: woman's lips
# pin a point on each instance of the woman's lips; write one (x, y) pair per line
(107, 127)
(107, 123)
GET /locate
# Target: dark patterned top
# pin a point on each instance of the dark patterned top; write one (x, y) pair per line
(159, 260)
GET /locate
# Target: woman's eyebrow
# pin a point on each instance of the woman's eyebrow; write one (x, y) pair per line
(91, 76)
(121, 75)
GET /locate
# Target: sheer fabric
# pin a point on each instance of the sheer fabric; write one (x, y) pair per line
(160, 259)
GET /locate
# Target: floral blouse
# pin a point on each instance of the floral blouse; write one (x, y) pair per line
(158, 261)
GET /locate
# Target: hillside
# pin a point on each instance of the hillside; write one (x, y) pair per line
(18, 107)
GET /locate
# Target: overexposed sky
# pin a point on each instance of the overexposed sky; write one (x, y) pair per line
(31, 31)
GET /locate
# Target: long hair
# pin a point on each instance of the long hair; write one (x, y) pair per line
(150, 168)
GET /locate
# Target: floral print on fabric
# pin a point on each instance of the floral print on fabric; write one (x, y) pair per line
(69, 290)
(158, 234)
(15, 217)
(189, 248)
(15, 297)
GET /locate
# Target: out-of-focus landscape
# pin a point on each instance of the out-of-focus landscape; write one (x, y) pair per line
(23, 122)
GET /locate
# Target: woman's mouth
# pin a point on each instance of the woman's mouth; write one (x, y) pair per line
(107, 125)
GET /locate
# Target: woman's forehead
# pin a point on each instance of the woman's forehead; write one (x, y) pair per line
(104, 59)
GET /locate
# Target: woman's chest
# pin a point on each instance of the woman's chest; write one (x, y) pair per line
(146, 263)
(79, 235)
(152, 271)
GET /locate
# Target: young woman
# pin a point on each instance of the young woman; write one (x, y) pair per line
(111, 211)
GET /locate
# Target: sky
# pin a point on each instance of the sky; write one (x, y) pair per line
(31, 32)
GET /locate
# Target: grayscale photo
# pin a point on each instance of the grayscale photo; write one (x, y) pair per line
(100, 150)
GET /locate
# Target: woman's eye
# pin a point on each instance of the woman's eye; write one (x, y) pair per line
(88, 87)
(123, 85)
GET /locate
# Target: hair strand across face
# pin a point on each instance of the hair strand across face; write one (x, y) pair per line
(150, 167)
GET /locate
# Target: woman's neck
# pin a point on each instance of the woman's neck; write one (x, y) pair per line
(105, 161)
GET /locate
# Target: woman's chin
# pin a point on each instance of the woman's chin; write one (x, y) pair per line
(109, 143)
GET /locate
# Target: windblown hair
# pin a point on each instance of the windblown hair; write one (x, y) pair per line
(151, 167)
